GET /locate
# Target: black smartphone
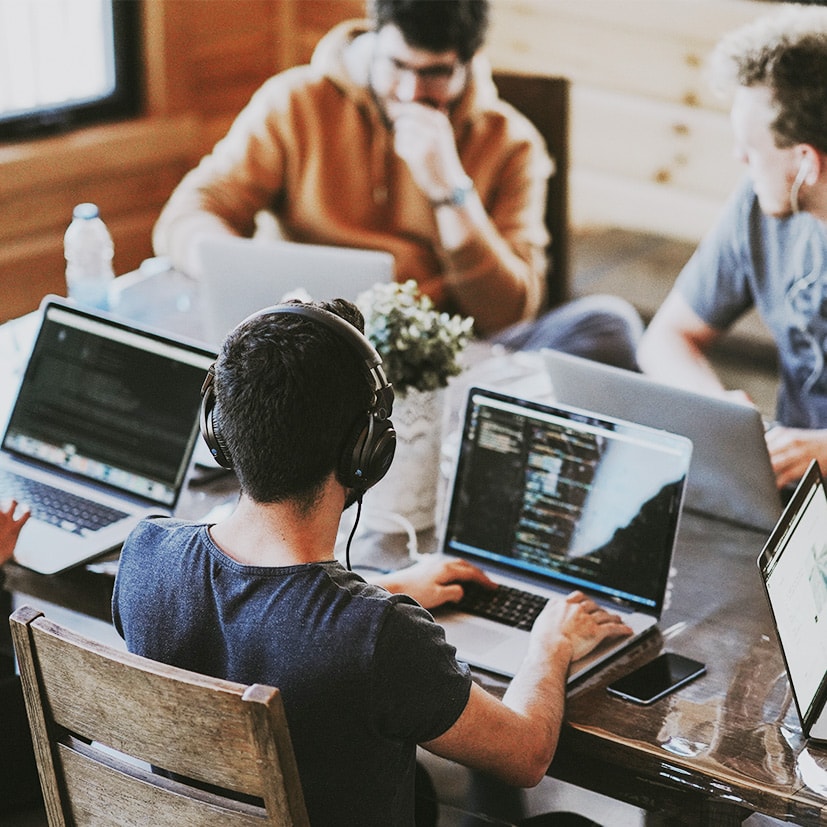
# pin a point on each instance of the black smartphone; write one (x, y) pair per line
(657, 678)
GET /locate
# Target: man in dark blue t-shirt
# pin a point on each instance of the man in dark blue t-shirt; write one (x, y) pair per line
(297, 405)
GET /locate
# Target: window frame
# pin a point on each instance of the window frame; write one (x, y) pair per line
(123, 102)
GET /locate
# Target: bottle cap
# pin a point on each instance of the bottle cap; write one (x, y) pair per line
(86, 211)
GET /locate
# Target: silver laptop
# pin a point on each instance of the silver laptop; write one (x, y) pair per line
(731, 476)
(242, 275)
(793, 567)
(548, 499)
(100, 435)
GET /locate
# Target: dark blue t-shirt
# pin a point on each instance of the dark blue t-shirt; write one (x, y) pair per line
(364, 675)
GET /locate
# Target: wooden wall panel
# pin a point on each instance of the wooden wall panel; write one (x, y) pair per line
(651, 147)
(614, 200)
(145, 188)
(215, 54)
(660, 142)
(652, 48)
(291, 31)
(29, 270)
(315, 18)
(676, 163)
(128, 170)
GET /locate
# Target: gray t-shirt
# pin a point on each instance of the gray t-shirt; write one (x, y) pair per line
(779, 266)
(364, 675)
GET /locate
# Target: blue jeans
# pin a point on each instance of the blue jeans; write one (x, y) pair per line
(600, 327)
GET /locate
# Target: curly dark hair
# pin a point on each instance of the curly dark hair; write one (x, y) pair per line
(787, 53)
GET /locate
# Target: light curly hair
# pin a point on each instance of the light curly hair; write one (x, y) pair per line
(787, 53)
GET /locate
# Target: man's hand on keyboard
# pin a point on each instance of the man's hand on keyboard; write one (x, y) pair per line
(581, 621)
(10, 525)
(432, 582)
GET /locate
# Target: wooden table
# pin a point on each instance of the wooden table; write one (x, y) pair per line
(722, 747)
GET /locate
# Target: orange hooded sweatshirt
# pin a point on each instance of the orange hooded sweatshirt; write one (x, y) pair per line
(313, 148)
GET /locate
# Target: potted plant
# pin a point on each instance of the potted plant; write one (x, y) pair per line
(420, 348)
(418, 344)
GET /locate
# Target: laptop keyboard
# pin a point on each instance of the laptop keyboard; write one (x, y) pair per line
(513, 607)
(60, 508)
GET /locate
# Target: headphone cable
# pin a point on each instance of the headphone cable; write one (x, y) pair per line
(353, 531)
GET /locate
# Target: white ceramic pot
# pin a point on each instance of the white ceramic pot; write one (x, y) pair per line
(409, 490)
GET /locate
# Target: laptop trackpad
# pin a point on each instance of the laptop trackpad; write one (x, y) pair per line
(486, 644)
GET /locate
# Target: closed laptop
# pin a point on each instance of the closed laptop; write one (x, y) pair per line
(241, 275)
(731, 476)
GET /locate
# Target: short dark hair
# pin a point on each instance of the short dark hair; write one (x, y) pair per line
(436, 25)
(288, 392)
(787, 53)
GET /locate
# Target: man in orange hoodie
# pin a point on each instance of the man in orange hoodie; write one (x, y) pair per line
(394, 138)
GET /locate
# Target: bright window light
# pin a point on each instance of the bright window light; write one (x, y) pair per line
(59, 58)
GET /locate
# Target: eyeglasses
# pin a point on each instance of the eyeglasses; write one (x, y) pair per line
(436, 78)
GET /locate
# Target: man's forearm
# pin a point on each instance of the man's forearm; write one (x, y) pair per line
(538, 693)
(669, 357)
(487, 279)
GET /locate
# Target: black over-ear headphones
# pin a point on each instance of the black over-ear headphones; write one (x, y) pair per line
(370, 445)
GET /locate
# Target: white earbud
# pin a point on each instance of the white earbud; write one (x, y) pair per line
(803, 172)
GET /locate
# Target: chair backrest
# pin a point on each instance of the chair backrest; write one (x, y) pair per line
(545, 102)
(103, 720)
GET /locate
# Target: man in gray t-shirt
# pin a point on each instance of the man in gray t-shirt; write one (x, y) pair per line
(769, 249)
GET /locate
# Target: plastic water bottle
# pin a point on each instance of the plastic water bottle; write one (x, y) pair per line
(88, 248)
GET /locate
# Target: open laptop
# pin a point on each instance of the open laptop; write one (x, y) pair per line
(793, 567)
(242, 275)
(548, 499)
(100, 435)
(731, 475)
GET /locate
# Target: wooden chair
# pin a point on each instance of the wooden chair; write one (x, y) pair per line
(86, 700)
(545, 102)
